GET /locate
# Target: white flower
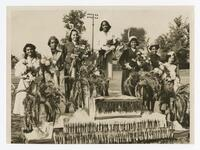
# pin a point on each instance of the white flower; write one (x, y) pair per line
(133, 59)
(43, 61)
(31, 77)
(47, 63)
(104, 47)
(97, 73)
(54, 62)
(82, 46)
(157, 71)
(147, 61)
(139, 63)
(162, 67)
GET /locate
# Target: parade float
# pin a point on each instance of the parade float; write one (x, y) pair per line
(103, 120)
(106, 120)
(100, 119)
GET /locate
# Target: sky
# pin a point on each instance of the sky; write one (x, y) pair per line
(36, 24)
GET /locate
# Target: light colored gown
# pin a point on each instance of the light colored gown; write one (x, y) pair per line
(54, 69)
(58, 75)
(173, 71)
(20, 69)
(101, 43)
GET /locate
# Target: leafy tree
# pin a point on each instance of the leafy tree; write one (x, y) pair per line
(177, 37)
(177, 40)
(75, 20)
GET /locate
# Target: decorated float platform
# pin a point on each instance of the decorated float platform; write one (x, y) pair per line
(108, 120)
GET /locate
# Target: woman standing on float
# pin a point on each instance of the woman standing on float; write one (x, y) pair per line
(57, 62)
(27, 69)
(128, 61)
(105, 46)
(153, 56)
(73, 60)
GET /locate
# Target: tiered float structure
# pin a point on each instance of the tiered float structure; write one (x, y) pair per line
(110, 120)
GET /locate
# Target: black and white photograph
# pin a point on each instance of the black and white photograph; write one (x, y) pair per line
(100, 74)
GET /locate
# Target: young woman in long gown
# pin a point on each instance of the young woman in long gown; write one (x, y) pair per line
(27, 69)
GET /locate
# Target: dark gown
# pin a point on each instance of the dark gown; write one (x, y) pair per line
(155, 59)
(69, 50)
(127, 57)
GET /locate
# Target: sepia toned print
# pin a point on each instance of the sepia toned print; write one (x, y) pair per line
(100, 75)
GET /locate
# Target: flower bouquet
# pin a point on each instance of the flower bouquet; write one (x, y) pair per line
(49, 69)
(48, 65)
(28, 70)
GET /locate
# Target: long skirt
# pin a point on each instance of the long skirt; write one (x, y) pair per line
(68, 82)
(19, 98)
(105, 63)
(125, 75)
(109, 70)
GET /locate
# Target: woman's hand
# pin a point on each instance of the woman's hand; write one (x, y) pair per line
(134, 60)
(85, 56)
(127, 66)
(73, 56)
(105, 47)
(24, 61)
(112, 47)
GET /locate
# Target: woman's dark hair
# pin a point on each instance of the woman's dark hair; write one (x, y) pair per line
(129, 43)
(101, 28)
(33, 47)
(175, 58)
(167, 57)
(53, 38)
(156, 46)
(70, 39)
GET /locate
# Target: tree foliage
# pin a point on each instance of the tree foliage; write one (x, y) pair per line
(75, 20)
(177, 37)
(177, 40)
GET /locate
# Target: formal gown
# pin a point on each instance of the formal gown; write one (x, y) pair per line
(20, 71)
(104, 61)
(55, 68)
(173, 74)
(154, 59)
(128, 57)
(71, 66)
